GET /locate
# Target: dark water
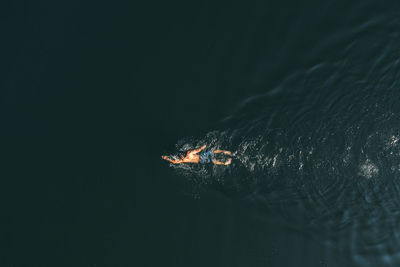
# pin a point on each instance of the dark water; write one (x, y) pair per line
(304, 94)
(321, 147)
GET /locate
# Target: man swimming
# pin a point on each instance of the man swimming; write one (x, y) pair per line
(200, 156)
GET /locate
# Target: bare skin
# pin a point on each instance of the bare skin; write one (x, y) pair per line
(193, 157)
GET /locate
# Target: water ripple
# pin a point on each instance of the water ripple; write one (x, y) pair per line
(323, 148)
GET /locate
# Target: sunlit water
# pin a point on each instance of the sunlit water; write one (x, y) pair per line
(323, 147)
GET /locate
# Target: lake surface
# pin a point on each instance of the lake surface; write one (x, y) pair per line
(306, 96)
(318, 146)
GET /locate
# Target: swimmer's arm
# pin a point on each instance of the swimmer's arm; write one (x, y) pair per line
(199, 149)
(171, 160)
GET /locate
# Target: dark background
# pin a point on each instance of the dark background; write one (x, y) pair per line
(93, 94)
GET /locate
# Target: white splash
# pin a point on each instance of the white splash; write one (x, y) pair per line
(368, 169)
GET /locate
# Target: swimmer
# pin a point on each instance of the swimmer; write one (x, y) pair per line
(200, 156)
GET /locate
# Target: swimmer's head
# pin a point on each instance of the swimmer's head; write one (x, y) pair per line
(178, 156)
(181, 155)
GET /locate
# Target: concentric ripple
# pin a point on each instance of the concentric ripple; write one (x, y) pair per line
(328, 140)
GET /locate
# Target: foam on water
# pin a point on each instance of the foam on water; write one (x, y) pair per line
(327, 140)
